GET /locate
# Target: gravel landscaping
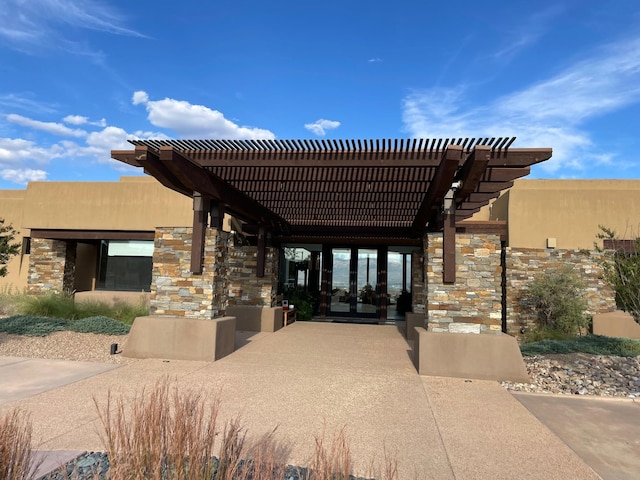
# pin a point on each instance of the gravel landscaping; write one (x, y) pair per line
(66, 345)
(581, 374)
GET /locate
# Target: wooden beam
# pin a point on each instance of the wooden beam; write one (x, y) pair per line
(472, 171)
(439, 186)
(126, 156)
(488, 227)
(512, 157)
(151, 162)
(499, 174)
(199, 233)
(207, 183)
(58, 234)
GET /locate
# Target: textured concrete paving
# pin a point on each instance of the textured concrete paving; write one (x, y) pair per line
(605, 433)
(24, 377)
(314, 376)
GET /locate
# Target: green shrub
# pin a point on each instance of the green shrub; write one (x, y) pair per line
(99, 324)
(593, 344)
(59, 305)
(540, 333)
(32, 326)
(303, 301)
(557, 299)
(622, 272)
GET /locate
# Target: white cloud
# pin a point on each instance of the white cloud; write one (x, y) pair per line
(17, 151)
(195, 121)
(81, 120)
(374, 60)
(49, 127)
(320, 127)
(23, 175)
(551, 113)
(139, 97)
(75, 119)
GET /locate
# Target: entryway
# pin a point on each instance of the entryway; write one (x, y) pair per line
(360, 284)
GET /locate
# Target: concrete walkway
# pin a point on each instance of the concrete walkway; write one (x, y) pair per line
(311, 376)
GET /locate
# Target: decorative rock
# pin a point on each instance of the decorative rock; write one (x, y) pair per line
(581, 374)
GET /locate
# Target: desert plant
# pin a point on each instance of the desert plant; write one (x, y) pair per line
(59, 305)
(17, 461)
(557, 299)
(10, 300)
(33, 326)
(621, 268)
(62, 305)
(332, 462)
(592, 344)
(8, 248)
(99, 324)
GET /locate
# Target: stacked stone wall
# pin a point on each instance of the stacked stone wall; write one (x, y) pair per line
(175, 290)
(418, 290)
(523, 265)
(51, 266)
(473, 302)
(245, 288)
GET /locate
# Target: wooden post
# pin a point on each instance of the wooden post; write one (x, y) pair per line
(199, 232)
(217, 215)
(449, 238)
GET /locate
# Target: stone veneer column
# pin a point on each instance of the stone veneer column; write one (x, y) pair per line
(473, 302)
(177, 292)
(51, 266)
(523, 265)
(418, 286)
(245, 288)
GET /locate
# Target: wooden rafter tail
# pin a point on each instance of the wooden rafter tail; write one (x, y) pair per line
(439, 186)
(472, 171)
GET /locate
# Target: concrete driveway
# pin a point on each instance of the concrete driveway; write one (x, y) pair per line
(605, 433)
(310, 376)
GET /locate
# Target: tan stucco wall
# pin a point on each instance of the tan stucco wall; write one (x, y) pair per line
(11, 209)
(569, 211)
(135, 203)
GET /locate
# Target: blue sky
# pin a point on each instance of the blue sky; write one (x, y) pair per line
(79, 77)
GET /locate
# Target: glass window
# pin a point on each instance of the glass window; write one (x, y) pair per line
(125, 265)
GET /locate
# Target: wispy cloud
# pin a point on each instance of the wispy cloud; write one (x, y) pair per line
(24, 102)
(33, 25)
(551, 113)
(194, 121)
(320, 126)
(49, 127)
(374, 60)
(527, 33)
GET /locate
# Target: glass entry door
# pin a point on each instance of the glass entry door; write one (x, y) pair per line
(354, 282)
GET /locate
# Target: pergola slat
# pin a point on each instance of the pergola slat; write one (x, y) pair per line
(385, 187)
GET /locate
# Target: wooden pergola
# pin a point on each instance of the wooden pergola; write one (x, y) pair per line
(380, 191)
